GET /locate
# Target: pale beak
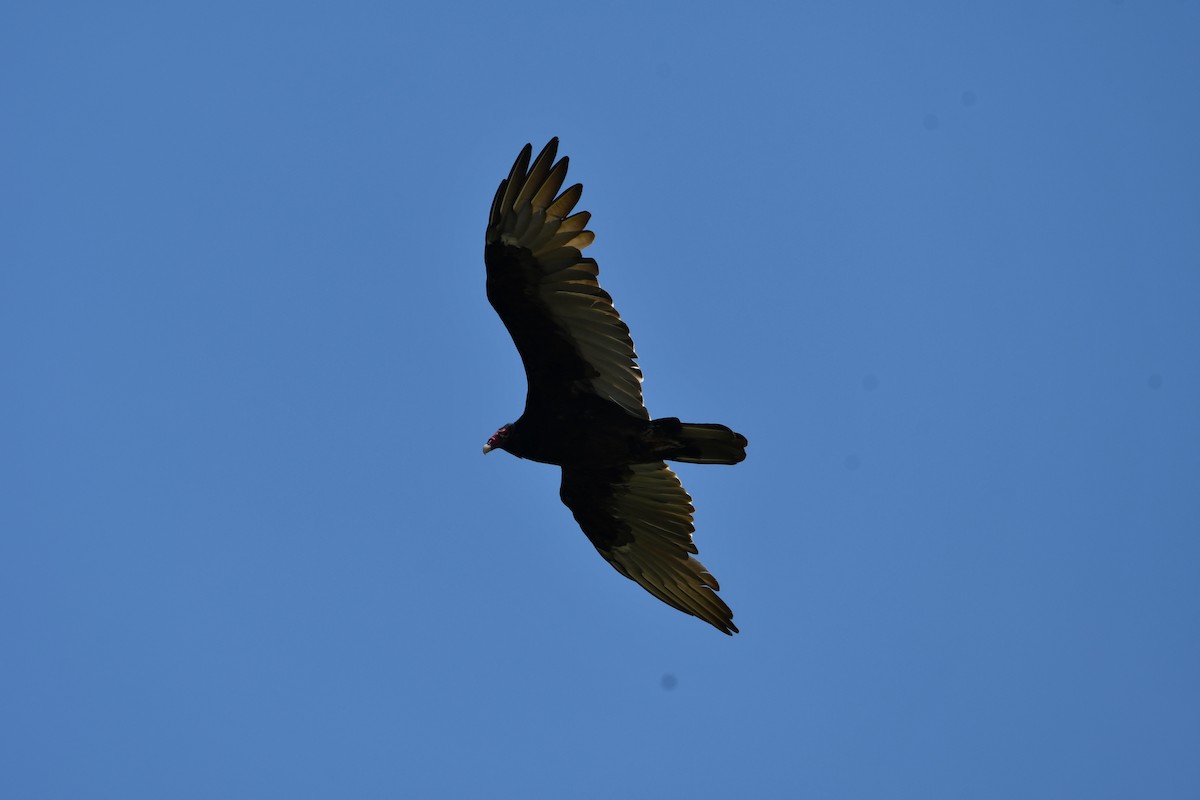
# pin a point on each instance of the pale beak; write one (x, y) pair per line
(487, 448)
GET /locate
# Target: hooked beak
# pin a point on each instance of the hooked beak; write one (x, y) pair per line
(487, 448)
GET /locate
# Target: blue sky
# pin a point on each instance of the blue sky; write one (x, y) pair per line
(939, 262)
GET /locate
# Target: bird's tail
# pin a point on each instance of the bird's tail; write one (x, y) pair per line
(699, 443)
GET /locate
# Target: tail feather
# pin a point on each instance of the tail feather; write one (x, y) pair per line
(701, 443)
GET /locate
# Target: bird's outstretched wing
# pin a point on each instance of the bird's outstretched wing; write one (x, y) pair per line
(570, 337)
(640, 519)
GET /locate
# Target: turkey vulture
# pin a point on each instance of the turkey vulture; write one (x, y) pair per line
(583, 409)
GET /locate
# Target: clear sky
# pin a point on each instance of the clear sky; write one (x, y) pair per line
(939, 262)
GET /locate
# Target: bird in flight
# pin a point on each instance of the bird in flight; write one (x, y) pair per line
(584, 409)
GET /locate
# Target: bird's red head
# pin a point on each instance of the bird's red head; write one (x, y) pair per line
(497, 440)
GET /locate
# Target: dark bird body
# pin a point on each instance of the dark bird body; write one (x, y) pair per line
(584, 409)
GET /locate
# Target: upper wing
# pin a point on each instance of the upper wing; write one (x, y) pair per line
(640, 519)
(570, 337)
